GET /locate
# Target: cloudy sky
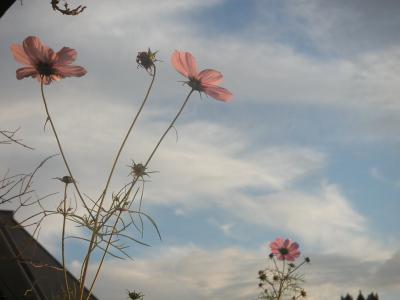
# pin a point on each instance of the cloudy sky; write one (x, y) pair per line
(308, 148)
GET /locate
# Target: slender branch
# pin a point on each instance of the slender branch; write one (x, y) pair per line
(61, 149)
(9, 135)
(126, 137)
(103, 195)
(63, 240)
(133, 183)
(169, 128)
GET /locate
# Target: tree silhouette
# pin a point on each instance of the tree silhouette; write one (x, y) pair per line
(371, 296)
(347, 297)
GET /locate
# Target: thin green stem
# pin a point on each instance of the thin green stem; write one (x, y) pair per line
(63, 240)
(127, 135)
(297, 267)
(61, 149)
(133, 183)
(103, 195)
(282, 281)
(169, 128)
(104, 255)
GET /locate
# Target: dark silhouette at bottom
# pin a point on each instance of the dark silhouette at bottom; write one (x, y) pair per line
(371, 296)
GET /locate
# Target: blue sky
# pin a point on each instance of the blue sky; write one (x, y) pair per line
(308, 148)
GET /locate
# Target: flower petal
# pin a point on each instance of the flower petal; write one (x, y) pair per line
(217, 92)
(209, 76)
(26, 72)
(293, 247)
(289, 257)
(20, 55)
(275, 251)
(69, 70)
(45, 79)
(286, 243)
(277, 244)
(184, 63)
(65, 56)
(36, 51)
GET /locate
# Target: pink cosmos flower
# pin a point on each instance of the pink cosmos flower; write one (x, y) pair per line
(205, 81)
(42, 63)
(285, 249)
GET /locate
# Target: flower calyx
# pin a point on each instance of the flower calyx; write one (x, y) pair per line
(138, 170)
(66, 179)
(146, 60)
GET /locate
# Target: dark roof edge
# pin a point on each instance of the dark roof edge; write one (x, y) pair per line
(44, 249)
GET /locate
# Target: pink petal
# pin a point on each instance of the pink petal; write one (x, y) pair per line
(286, 243)
(46, 79)
(69, 70)
(290, 257)
(209, 76)
(274, 245)
(26, 72)
(20, 55)
(36, 51)
(65, 56)
(293, 246)
(277, 243)
(55, 77)
(217, 92)
(184, 63)
(296, 254)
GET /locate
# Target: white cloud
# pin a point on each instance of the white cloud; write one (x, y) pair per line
(185, 273)
(324, 220)
(214, 164)
(190, 272)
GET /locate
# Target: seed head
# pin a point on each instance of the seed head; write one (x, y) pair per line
(146, 60)
(135, 295)
(139, 170)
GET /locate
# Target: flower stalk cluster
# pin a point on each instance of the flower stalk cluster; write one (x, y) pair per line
(106, 225)
(281, 279)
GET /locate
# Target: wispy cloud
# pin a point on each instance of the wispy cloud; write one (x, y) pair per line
(231, 273)
(225, 162)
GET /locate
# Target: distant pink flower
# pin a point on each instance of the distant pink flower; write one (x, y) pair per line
(285, 249)
(42, 63)
(205, 81)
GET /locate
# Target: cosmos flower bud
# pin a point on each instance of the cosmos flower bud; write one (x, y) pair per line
(66, 179)
(146, 60)
(139, 170)
(135, 295)
(262, 276)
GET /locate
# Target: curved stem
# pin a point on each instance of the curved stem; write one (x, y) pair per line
(63, 241)
(103, 195)
(169, 128)
(104, 255)
(133, 183)
(126, 137)
(111, 235)
(282, 280)
(61, 150)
